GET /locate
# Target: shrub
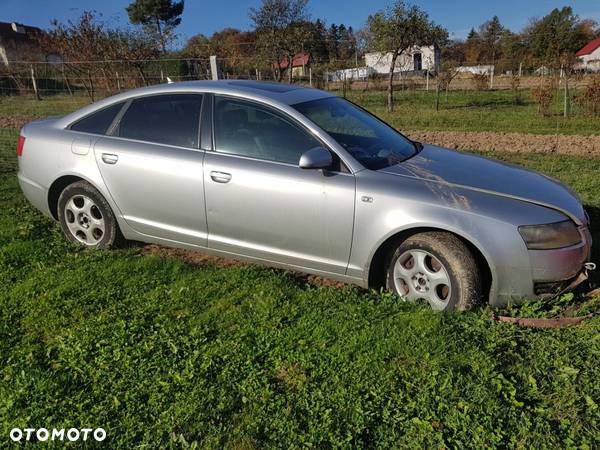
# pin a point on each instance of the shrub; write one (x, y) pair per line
(589, 99)
(481, 81)
(543, 95)
(515, 83)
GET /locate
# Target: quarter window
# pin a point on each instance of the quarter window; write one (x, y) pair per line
(164, 119)
(248, 129)
(98, 122)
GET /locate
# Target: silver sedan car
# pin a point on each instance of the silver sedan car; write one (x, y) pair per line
(301, 179)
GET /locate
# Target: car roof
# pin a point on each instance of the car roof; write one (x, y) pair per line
(283, 93)
(273, 93)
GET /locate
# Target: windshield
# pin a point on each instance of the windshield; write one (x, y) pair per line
(372, 142)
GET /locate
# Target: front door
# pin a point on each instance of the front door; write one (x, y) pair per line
(417, 61)
(259, 203)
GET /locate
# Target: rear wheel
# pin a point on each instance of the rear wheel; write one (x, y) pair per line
(86, 217)
(438, 268)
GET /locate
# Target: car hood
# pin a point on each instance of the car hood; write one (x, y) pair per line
(440, 165)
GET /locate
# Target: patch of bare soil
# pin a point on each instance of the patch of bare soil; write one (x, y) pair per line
(11, 121)
(199, 258)
(511, 142)
(461, 140)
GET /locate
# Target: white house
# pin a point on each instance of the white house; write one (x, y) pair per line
(426, 57)
(589, 56)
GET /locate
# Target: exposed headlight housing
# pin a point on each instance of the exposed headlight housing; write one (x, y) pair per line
(550, 235)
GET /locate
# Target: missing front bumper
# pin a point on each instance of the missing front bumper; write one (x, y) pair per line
(549, 290)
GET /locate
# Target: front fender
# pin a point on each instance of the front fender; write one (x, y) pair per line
(486, 221)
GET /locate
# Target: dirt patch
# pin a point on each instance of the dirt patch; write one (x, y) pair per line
(15, 121)
(461, 140)
(199, 258)
(511, 142)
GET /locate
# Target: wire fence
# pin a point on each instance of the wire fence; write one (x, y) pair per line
(30, 89)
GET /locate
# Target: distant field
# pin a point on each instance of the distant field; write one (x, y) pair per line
(493, 111)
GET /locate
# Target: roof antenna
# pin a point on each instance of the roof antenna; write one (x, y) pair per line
(169, 81)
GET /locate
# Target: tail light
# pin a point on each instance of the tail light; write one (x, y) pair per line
(20, 145)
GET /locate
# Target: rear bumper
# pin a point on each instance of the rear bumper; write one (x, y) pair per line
(36, 194)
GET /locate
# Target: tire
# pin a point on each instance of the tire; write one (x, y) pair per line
(437, 267)
(86, 218)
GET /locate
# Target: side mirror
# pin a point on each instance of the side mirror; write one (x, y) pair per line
(316, 158)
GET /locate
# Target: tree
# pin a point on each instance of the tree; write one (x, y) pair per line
(513, 48)
(83, 45)
(282, 27)
(397, 30)
(159, 17)
(490, 33)
(556, 37)
(473, 47)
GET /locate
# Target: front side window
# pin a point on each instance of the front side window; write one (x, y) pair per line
(373, 143)
(249, 129)
(98, 122)
(172, 119)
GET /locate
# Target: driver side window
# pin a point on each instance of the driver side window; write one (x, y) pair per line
(249, 129)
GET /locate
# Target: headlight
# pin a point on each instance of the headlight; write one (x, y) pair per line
(550, 236)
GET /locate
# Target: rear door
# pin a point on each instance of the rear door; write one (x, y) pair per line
(152, 166)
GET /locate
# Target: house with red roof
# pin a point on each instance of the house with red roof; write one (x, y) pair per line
(300, 64)
(589, 56)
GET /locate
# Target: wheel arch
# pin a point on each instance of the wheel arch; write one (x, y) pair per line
(56, 188)
(376, 266)
(64, 180)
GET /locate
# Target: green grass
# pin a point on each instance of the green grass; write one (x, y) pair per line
(493, 111)
(162, 353)
(55, 105)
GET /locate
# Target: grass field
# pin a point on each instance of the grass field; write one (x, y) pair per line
(162, 353)
(493, 111)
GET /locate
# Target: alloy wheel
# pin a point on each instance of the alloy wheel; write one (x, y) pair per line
(84, 220)
(420, 275)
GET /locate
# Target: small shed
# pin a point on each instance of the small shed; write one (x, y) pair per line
(300, 65)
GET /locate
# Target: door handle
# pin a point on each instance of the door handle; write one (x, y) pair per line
(220, 177)
(109, 158)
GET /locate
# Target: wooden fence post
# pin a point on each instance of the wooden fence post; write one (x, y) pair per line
(66, 79)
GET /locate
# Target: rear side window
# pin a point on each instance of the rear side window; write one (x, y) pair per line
(98, 122)
(163, 119)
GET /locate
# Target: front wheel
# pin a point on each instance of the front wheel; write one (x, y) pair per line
(438, 268)
(86, 217)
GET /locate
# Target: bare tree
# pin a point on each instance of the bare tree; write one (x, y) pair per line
(397, 30)
(280, 32)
